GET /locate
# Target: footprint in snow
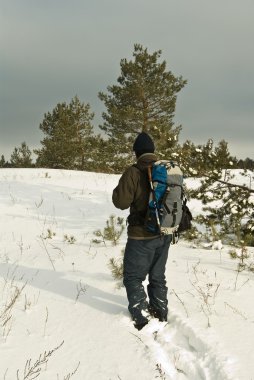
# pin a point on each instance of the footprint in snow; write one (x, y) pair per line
(180, 353)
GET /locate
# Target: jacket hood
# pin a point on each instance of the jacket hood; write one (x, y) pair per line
(146, 160)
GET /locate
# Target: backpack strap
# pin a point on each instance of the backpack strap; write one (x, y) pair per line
(149, 169)
(163, 202)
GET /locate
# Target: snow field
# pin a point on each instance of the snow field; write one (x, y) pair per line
(65, 292)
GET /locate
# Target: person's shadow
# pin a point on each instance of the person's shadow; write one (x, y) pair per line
(79, 291)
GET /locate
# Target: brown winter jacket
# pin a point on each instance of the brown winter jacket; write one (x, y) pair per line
(132, 192)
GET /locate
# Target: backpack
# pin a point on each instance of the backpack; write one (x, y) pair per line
(167, 212)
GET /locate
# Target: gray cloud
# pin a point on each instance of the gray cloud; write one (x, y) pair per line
(52, 51)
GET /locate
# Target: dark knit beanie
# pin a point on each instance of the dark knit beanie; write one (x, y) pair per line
(143, 144)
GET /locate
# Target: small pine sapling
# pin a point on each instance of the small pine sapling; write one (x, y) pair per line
(69, 239)
(191, 235)
(242, 256)
(116, 266)
(243, 262)
(50, 234)
(112, 232)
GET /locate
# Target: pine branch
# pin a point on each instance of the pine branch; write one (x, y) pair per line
(216, 179)
(228, 183)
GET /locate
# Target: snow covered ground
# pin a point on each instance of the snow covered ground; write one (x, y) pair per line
(63, 315)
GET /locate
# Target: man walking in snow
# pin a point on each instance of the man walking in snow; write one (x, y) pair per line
(145, 253)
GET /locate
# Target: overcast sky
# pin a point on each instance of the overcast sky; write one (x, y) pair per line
(52, 50)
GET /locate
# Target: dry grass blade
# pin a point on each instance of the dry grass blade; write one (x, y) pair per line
(32, 371)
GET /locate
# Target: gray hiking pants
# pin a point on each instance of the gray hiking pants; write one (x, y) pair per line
(142, 258)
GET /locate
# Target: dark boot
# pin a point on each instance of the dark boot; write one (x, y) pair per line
(139, 326)
(140, 320)
(162, 316)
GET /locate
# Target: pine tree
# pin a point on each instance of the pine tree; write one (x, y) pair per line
(101, 155)
(228, 205)
(68, 143)
(199, 160)
(2, 161)
(21, 157)
(248, 163)
(143, 99)
(230, 208)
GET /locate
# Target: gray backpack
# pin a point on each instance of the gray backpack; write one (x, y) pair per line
(166, 198)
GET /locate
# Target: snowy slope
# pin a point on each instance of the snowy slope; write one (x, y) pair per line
(59, 300)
